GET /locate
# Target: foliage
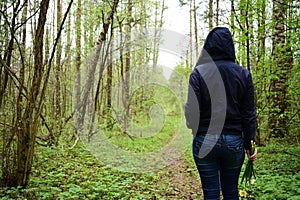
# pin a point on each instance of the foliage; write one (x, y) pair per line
(60, 173)
(76, 174)
(249, 173)
(278, 174)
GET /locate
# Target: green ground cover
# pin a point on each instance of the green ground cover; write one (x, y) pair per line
(60, 173)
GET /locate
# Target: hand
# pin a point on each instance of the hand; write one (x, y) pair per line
(252, 157)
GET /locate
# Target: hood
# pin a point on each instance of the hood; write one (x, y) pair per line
(218, 46)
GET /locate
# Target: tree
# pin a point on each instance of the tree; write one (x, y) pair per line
(58, 110)
(282, 55)
(26, 129)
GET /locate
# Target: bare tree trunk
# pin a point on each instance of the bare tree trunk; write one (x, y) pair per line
(210, 14)
(67, 69)
(217, 12)
(261, 8)
(127, 64)
(232, 13)
(78, 63)
(242, 21)
(109, 89)
(196, 28)
(58, 114)
(247, 33)
(156, 39)
(29, 125)
(9, 154)
(93, 64)
(8, 53)
(190, 58)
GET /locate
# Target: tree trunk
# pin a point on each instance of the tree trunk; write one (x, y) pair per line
(127, 65)
(190, 56)
(196, 28)
(217, 12)
(232, 17)
(28, 127)
(67, 70)
(156, 37)
(281, 55)
(109, 88)
(78, 63)
(261, 34)
(81, 108)
(58, 114)
(210, 14)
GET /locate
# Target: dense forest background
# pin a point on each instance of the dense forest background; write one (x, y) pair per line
(71, 68)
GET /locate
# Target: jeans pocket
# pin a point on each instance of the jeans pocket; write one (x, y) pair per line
(203, 145)
(235, 145)
(235, 151)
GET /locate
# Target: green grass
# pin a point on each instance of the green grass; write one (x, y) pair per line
(60, 173)
(144, 143)
(278, 172)
(75, 174)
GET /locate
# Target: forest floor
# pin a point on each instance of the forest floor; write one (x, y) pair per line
(183, 181)
(60, 173)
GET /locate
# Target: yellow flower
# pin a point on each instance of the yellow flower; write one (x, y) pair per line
(243, 193)
(252, 181)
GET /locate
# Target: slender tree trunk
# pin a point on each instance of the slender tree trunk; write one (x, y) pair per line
(127, 64)
(109, 88)
(190, 56)
(242, 21)
(28, 130)
(156, 37)
(217, 12)
(93, 64)
(78, 63)
(232, 16)
(58, 114)
(196, 28)
(247, 33)
(67, 70)
(8, 153)
(9, 50)
(261, 34)
(210, 14)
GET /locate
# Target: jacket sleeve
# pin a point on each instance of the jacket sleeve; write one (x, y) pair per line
(191, 109)
(248, 113)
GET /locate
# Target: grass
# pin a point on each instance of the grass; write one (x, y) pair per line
(60, 173)
(278, 172)
(76, 174)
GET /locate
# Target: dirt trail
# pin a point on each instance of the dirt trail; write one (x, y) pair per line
(184, 181)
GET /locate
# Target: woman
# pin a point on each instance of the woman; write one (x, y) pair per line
(220, 110)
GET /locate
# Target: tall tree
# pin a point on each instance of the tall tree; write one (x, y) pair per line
(210, 14)
(281, 53)
(58, 110)
(195, 27)
(261, 68)
(90, 79)
(27, 128)
(217, 12)
(129, 21)
(78, 62)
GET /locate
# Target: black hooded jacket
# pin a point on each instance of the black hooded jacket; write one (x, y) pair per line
(205, 87)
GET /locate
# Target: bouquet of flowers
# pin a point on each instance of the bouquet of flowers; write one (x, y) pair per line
(249, 173)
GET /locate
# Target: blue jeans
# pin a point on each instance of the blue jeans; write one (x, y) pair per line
(222, 164)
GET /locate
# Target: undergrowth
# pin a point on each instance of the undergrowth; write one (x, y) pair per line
(75, 174)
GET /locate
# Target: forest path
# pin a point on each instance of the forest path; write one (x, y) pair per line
(183, 179)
